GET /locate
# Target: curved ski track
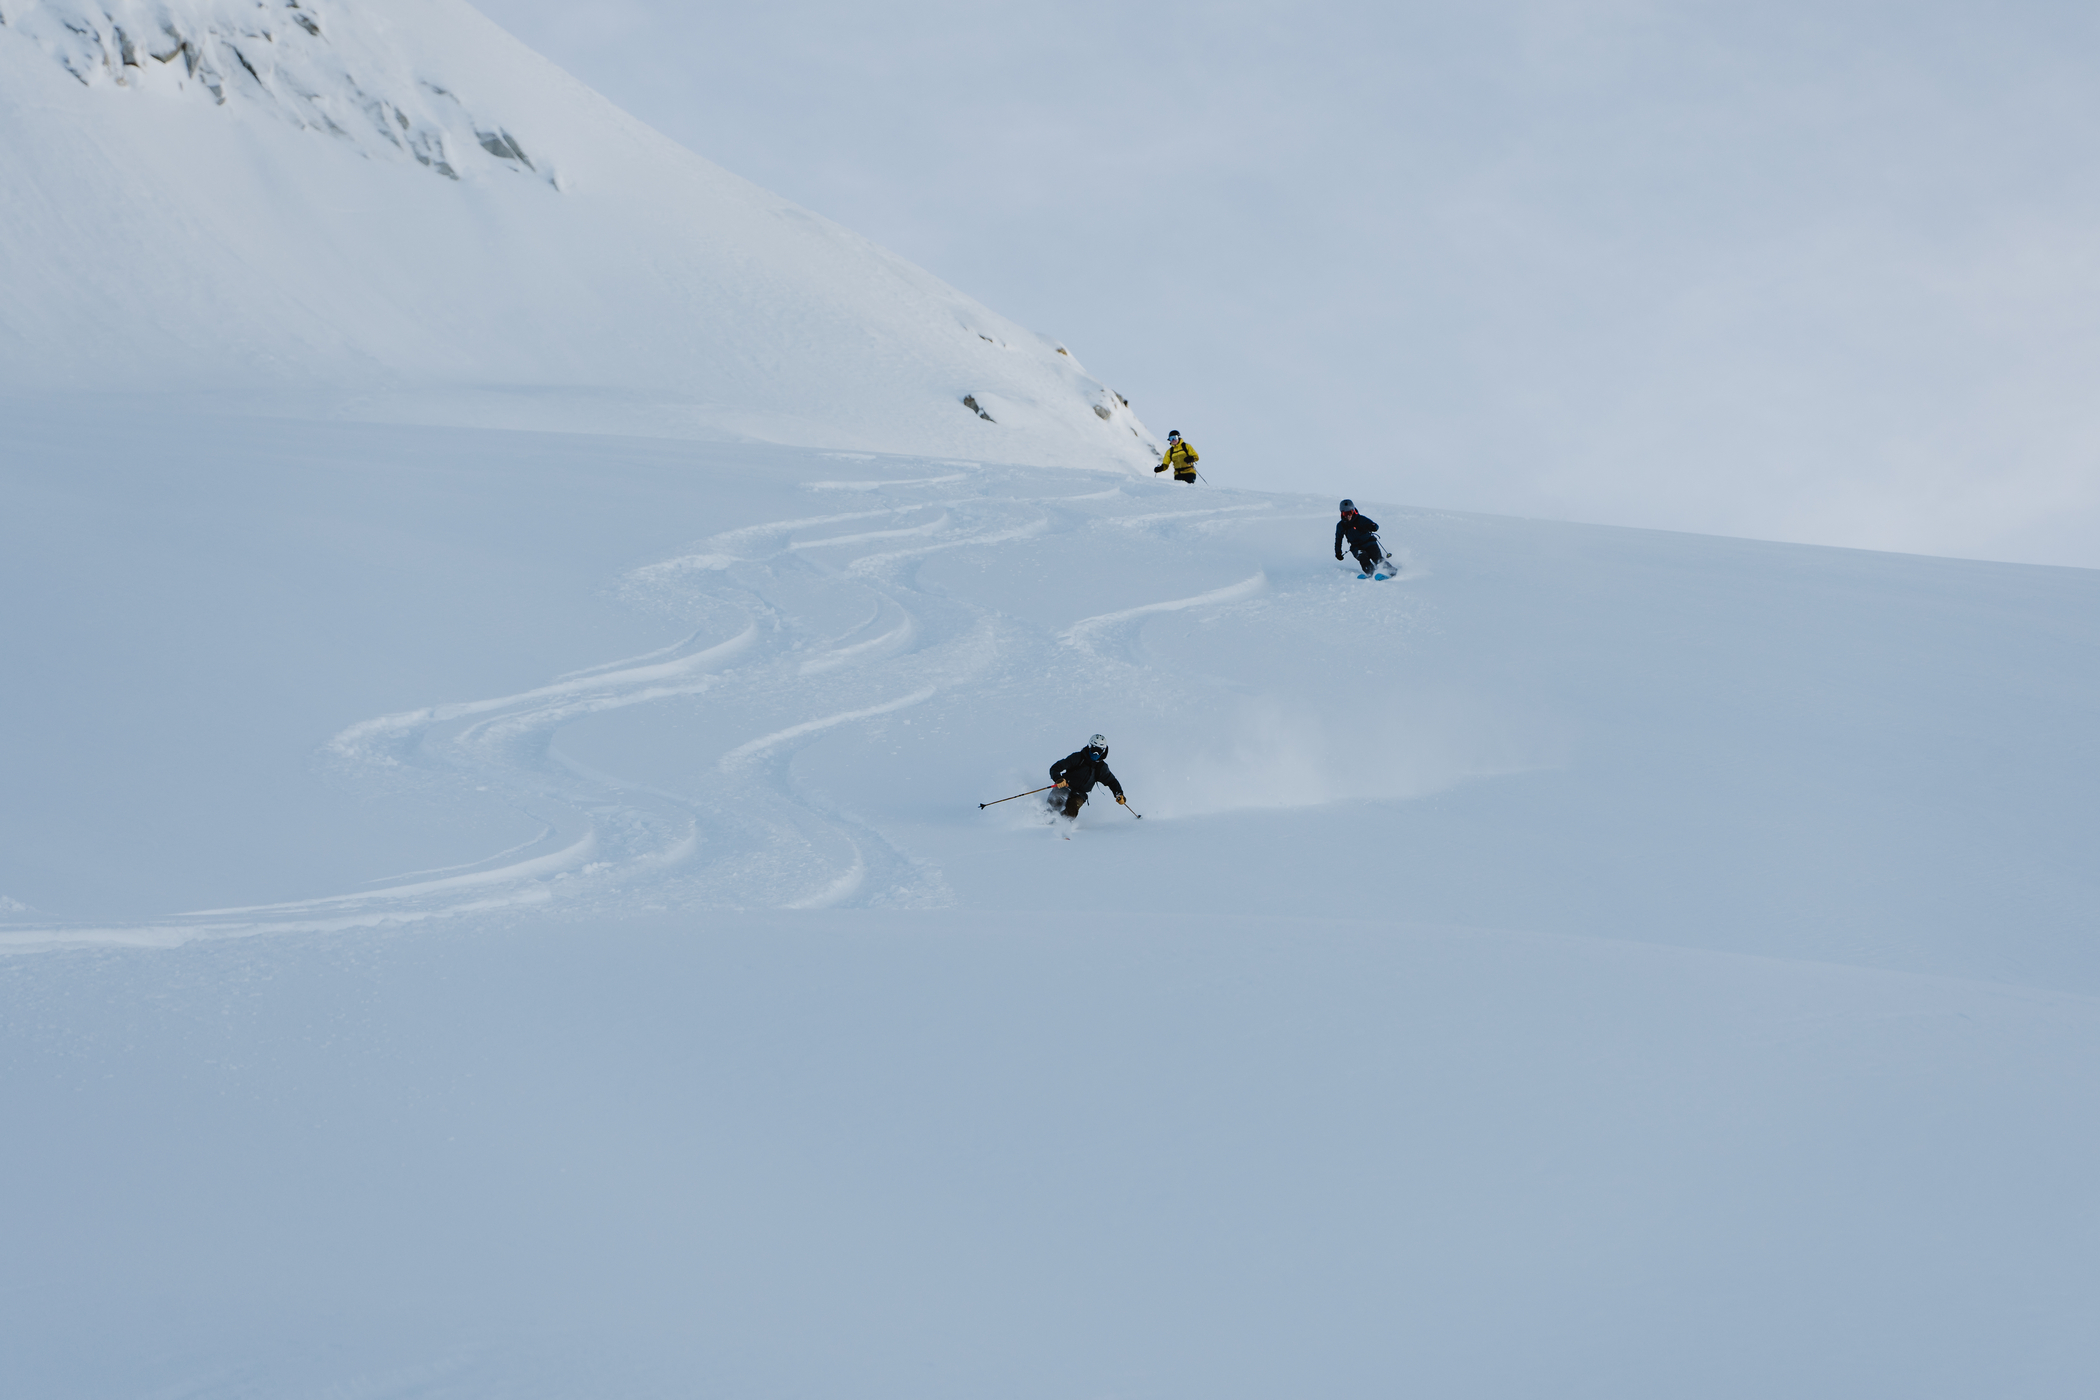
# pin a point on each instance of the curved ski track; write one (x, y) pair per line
(752, 836)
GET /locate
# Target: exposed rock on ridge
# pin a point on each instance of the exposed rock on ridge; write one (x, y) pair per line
(318, 66)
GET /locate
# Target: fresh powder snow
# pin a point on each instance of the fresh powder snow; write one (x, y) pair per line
(504, 661)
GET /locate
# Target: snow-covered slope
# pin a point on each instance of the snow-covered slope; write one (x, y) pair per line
(391, 209)
(371, 676)
(1594, 962)
(497, 913)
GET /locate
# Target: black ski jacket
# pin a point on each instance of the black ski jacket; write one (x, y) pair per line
(1358, 527)
(1080, 771)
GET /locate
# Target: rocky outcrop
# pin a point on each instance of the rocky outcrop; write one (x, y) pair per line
(318, 67)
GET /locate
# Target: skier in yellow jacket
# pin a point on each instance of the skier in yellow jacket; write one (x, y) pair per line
(1181, 459)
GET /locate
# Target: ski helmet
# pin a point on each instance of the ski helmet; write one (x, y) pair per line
(1174, 436)
(1099, 741)
(1348, 506)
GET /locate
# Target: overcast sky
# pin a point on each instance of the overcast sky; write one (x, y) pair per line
(1813, 271)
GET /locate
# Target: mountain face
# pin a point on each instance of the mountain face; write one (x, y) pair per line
(394, 210)
(348, 80)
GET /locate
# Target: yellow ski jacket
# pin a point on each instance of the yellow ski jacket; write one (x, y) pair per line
(1182, 459)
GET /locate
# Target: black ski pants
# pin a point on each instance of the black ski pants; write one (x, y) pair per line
(1367, 554)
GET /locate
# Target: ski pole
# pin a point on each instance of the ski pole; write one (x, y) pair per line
(1030, 793)
(1132, 810)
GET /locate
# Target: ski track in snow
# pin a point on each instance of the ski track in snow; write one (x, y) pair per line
(1088, 633)
(749, 835)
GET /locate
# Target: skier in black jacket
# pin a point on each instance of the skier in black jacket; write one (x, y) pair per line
(1077, 773)
(1362, 533)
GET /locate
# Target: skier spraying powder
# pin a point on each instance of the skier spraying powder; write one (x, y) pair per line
(1075, 775)
(1181, 459)
(1361, 531)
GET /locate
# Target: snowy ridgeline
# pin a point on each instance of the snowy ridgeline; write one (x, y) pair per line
(319, 66)
(237, 200)
(1675, 953)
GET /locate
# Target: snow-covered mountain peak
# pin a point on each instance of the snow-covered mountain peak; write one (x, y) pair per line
(245, 199)
(326, 68)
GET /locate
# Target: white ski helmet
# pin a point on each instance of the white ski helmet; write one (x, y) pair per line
(1099, 741)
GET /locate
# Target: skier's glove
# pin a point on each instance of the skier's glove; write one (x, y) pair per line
(1338, 556)
(1057, 784)
(1119, 799)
